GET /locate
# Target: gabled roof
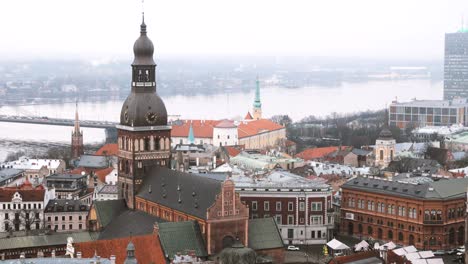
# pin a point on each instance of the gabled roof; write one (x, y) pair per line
(129, 223)
(36, 195)
(189, 237)
(315, 153)
(188, 193)
(264, 234)
(111, 149)
(147, 249)
(248, 116)
(251, 128)
(102, 173)
(108, 210)
(90, 161)
(232, 151)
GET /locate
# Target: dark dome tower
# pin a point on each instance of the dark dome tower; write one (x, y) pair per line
(144, 138)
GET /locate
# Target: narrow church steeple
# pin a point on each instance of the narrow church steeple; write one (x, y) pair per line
(191, 136)
(257, 105)
(77, 148)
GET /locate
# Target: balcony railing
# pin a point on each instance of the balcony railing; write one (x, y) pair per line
(433, 222)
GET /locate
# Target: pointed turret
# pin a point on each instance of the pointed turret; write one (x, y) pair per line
(191, 136)
(77, 121)
(130, 254)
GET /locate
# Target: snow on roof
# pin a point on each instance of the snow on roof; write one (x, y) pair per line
(25, 163)
(441, 130)
(278, 179)
(321, 168)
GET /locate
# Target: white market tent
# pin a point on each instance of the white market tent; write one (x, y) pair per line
(363, 245)
(337, 245)
(390, 245)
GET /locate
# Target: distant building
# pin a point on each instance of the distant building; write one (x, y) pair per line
(419, 113)
(35, 170)
(65, 215)
(384, 148)
(77, 148)
(456, 65)
(107, 192)
(9, 176)
(254, 161)
(198, 158)
(67, 185)
(429, 215)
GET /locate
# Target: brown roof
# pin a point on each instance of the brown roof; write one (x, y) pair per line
(315, 153)
(201, 128)
(35, 195)
(111, 149)
(147, 249)
(251, 128)
(248, 116)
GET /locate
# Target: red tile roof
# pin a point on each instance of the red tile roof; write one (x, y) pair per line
(28, 195)
(204, 128)
(251, 128)
(102, 173)
(201, 128)
(111, 149)
(248, 116)
(147, 249)
(315, 153)
(232, 151)
(226, 124)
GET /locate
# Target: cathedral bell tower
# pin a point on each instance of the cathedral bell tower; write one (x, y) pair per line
(144, 138)
(77, 148)
(257, 105)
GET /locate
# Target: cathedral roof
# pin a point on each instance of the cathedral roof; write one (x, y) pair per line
(143, 48)
(188, 193)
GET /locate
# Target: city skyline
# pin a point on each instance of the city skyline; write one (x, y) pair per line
(361, 29)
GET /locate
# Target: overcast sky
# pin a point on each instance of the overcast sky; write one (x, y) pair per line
(106, 28)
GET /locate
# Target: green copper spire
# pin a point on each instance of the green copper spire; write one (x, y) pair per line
(191, 137)
(257, 102)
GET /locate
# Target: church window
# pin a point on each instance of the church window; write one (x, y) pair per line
(136, 145)
(168, 144)
(391, 154)
(147, 144)
(142, 144)
(381, 154)
(161, 144)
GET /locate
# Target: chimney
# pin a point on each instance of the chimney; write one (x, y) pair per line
(78, 254)
(112, 259)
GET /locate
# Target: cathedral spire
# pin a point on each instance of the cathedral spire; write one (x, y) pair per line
(77, 120)
(257, 105)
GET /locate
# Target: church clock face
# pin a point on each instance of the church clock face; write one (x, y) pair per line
(151, 117)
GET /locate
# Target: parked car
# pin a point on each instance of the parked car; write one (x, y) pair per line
(439, 252)
(293, 248)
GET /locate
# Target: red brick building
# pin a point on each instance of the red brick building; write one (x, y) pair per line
(428, 215)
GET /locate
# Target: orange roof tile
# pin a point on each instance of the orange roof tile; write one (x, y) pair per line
(147, 249)
(111, 149)
(28, 195)
(315, 153)
(201, 128)
(248, 129)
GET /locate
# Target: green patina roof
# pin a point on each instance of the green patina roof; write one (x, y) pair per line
(45, 240)
(180, 237)
(264, 234)
(108, 210)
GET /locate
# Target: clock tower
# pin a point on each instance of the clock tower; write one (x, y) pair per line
(144, 138)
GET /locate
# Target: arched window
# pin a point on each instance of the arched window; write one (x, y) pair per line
(439, 215)
(390, 234)
(381, 154)
(369, 230)
(400, 236)
(451, 238)
(427, 215)
(142, 144)
(379, 233)
(161, 144)
(157, 145)
(168, 144)
(137, 145)
(360, 229)
(461, 235)
(147, 144)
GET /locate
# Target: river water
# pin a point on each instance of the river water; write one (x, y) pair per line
(297, 103)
